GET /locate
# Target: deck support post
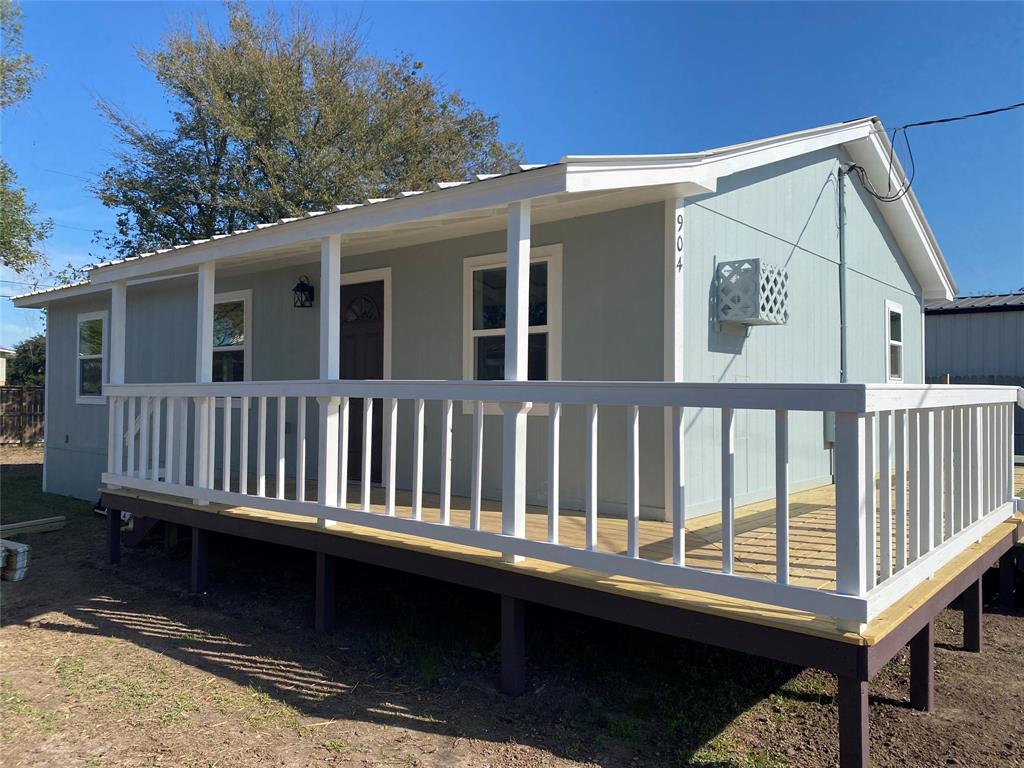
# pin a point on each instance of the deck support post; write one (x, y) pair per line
(200, 560)
(971, 602)
(513, 646)
(517, 336)
(1007, 576)
(170, 536)
(853, 723)
(922, 669)
(113, 536)
(325, 585)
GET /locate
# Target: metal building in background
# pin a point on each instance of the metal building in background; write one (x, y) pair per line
(978, 340)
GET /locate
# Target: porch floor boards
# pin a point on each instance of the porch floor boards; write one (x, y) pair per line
(812, 550)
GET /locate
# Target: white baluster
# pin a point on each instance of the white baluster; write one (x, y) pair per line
(280, 446)
(343, 440)
(851, 503)
(390, 454)
(300, 449)
(183, 440)
(927, 492)
(554, 455)
(367, 451)
(144, 438)
(417, 460)
(870, 551)
(445, 502)
(243, 446)
(884, 497)
(169, 441)
(632, 481)
(901, 489)
(155, 441)
(225, 474)
(476, 466)
(678, 448)
(131, 437)
(590, 498)
(261, 447)
(914, 443)
(728, 500)
(782, 497)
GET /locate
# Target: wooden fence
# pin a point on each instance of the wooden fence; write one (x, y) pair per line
(21, 415)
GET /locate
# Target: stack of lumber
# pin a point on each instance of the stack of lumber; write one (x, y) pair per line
(14, 554)
(41, 525)
(14, 560)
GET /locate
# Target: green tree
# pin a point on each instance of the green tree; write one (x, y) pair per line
(278, 118)
(20, 231)
(27, 367)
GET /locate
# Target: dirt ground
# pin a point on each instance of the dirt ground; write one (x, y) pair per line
(119, 666)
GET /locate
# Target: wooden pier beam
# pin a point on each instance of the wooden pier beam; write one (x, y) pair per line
(113, 536)
(513, 646)
(854, 747)
(325, 584)
(200, 564)
(922, 669)
(971, 602)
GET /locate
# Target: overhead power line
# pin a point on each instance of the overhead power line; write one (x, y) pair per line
(891, 196)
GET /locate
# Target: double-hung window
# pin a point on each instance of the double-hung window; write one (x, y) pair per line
(894, 342)
(232, 336)
(484, 283)
(91, 354)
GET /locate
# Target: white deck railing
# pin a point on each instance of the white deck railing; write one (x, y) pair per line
(942, 453)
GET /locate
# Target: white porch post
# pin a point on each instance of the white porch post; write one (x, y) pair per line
(115, 374)
(204, 374)
(517, 330)
(330, 369)
(675, 477)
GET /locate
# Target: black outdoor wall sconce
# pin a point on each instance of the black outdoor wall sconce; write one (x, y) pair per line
(304, 292)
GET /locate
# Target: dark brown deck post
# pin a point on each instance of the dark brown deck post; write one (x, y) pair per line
(1007, 575)
(854, 747)
(971, 602)
(200, 549)
(922, 669)
(513, 646)
(113, 536)
(325, 581)
(170, 536)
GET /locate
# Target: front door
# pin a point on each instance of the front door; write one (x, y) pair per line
(362, 357)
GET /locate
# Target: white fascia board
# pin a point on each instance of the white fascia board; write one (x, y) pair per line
(540, 182)
(40, 299)
(905, 218)
(698, 173)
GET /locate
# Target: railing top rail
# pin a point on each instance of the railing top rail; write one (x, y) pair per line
(855, 398)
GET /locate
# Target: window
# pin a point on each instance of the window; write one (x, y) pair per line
(232, 336)
(894, 343)
(484, 316)
(92, 347)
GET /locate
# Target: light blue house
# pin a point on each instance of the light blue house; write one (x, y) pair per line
(625, 342)
(621, 291)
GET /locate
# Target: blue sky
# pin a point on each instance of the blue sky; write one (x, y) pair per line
(598, 78)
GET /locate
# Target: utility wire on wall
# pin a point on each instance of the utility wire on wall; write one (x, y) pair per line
(890, 196)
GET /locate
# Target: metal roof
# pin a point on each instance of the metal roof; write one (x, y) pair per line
(992, 302)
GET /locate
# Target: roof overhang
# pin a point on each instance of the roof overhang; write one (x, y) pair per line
(577, 185)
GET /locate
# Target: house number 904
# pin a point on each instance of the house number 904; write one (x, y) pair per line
(679, 242)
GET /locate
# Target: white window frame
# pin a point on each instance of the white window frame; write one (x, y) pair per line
(552, 255)
(890, 308)
(245, 297)
(82, 317)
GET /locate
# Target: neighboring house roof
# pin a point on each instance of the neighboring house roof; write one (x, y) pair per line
(6, 352)
(576, 185)
(993, 302)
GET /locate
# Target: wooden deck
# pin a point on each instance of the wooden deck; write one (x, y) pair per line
(812, 552)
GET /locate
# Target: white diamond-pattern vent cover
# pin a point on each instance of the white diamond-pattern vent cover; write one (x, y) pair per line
(752, 292)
